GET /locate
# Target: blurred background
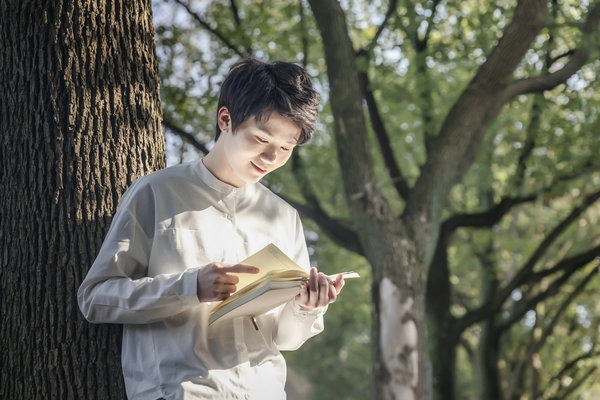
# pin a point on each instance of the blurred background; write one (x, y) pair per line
(531, 192)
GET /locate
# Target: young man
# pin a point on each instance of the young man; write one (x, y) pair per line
(175, 241)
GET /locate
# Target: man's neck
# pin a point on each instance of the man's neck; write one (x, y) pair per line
(216, 162)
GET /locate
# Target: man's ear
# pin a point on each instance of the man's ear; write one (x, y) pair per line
(224, 119)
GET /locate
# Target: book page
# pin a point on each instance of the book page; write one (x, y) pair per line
(268, 259)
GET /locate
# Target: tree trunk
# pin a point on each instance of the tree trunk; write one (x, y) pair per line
(390, 244)
(489, 345)
(442, 340)
(80, 120)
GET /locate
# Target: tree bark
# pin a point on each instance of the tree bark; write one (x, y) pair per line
(489, 344)
(441, 340)
(489, 352)
(80, 120)
(400, 249)
(398, 268)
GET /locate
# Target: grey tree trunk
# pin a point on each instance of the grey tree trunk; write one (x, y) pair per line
(79, 121)
(390, 244)
(400, 249)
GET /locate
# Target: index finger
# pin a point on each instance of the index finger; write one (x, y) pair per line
(241, 269)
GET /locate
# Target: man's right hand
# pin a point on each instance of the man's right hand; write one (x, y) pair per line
(216, 281)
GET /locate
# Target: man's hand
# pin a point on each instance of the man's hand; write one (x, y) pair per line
(319, 291)
(216, 281)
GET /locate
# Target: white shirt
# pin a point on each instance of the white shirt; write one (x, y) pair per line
(168, 225)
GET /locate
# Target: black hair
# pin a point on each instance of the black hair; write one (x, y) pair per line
(255, 89)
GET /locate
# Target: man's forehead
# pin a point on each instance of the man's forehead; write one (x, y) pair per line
(265, 124)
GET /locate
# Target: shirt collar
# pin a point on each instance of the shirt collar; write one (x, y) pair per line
(214, 183)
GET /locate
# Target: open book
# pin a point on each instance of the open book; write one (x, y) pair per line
(277, 283)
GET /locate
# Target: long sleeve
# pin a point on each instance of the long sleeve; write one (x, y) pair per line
(117, 288)
(295, 325)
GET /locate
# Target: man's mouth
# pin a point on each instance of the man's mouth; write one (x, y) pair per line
(262, 171)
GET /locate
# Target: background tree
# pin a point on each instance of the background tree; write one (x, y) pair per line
(456, 152)
(80, 120)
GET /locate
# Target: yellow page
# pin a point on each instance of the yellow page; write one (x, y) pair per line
(287, 275)
(268, 259)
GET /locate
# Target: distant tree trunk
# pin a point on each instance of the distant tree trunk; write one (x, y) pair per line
(79, 121)
(489, 344)
(489, 350)
(394, 248)
(441, 339)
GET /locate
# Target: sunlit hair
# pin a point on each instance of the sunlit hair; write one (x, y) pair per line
(256, 89)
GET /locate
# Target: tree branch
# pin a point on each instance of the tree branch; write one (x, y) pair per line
(554, 59)
(564, 264)
(392, 6)
(579, 171)
(536, 345)
(525, 272)
(492, 215)
(187, 137)
(454, 148)
(549, 81)
(238, 24)
(299, 171)
(573, 363)
(527, 269)
(529, 304)
(236, 13)
(214, 31)
(425, 95)
(532, 131)
(574, 293)
(337, 230)
(485, 218)
(352, 140)
(422, 43)
(579, 57)
(377, 124)
(471, 355)
(575, 385)
(305, 46)
(423, 78)
(383, 139)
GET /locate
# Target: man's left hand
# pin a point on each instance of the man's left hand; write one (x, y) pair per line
(319, 291)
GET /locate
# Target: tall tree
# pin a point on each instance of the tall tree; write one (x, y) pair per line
(80, 120)
(401, 249)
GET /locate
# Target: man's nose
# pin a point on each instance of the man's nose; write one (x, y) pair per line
(269, 156)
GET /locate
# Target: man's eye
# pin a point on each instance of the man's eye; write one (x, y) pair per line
(261, 139)
(285, 149)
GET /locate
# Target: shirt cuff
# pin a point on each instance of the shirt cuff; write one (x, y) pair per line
(190, 285)
(299, 311)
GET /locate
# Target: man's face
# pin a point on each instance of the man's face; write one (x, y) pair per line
(257, 148)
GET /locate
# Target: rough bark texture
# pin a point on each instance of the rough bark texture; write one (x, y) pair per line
(79, 121)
